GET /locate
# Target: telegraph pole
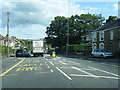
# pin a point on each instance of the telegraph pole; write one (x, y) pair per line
(8, 20)
(67, 44)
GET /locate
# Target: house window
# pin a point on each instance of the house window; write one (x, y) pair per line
(111, 35)
(101, 36)
(101, 46)
(94, 37)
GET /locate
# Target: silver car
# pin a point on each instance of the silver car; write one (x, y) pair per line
(101, 53)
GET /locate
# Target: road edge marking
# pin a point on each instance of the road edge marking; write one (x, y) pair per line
(11, 68)
(63, 73)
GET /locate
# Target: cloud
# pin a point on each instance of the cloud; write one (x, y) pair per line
(91, 9)
(31, 17)
(115, 6)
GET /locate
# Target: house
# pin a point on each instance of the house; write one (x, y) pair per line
(107, 37)
(12, 41)
(2, 40)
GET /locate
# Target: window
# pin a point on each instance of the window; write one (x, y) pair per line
(101, 46)
(94, 37)
(101, 36)
(111, 35)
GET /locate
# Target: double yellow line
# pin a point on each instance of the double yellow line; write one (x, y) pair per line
(4, 73)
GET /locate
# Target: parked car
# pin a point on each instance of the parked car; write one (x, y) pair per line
(20, 53)
(27, 53)
(101, 53)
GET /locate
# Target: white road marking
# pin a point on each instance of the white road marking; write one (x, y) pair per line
(78, 75)
(90, 61)
(115, 65)
(109, 77)
(102, 63)
(51, 63)
(104, 71)
(64, 73)
(63, 63)
(75, 63)
(66, 67)
(85, 72)
(80, 68)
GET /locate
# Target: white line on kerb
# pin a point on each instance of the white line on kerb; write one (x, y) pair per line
(64, 73)
(85, 72)
(104, 71)
(51, 63)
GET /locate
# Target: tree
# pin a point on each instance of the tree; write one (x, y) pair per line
(111, 18)
(22, 42)
(77, 25)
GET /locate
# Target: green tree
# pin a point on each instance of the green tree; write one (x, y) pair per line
(111, 18)
(77, 25)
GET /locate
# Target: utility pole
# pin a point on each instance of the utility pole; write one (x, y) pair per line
(67, 44)
(8, 20)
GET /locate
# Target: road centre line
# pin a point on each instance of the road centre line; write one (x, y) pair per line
(85, 72)
(51, 63)
(63, 73)
(11, 68)
(103, 71)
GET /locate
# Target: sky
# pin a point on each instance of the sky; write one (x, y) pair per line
(29, 19)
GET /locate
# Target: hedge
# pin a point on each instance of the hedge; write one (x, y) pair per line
(5, 50)
(77, 47)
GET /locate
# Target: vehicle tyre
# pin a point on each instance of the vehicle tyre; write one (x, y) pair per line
(93, 56)
(101, 56)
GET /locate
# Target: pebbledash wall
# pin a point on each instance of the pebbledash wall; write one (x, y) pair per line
(108, 37)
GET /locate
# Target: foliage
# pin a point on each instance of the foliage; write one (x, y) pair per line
(5, 50)
(22, 42)
(77, 47)
(76, 26)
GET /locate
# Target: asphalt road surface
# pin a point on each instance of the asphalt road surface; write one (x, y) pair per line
(59, 72)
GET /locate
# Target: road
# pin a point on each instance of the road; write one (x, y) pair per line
(59, 72)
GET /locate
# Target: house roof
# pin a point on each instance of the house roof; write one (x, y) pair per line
(109, 25)
(2, 37)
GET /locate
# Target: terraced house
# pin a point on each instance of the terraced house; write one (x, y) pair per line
(107, 37)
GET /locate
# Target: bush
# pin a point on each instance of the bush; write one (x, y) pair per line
(5, 50)
(77, 47)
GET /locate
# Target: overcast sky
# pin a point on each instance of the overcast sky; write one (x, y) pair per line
(30, 19)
